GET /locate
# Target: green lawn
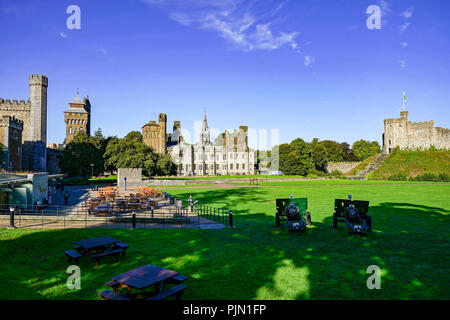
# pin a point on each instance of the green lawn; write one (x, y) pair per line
(256, 259)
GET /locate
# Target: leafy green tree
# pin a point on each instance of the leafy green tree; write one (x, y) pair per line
(364, 149)
(304, 153)
(320, 156)
(131, 152)
(80, 153)
(334, 150)
(165, 166)
(348, 152)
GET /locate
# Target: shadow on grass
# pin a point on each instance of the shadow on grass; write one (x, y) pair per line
(256, 260)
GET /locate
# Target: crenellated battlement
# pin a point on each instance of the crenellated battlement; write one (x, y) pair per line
(15, 105)
(11, 121)
(38, 79)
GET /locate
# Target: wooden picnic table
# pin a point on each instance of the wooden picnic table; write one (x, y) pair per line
(95, 244)
(144, 277)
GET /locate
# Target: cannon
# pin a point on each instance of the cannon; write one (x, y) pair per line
(293, 212)
(354, 214)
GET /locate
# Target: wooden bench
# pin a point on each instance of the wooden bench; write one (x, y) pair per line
(121, 245)
(73, 255)
(109, 295)
(115, 253)
(177, 279)
(114, 285)
(174, 291)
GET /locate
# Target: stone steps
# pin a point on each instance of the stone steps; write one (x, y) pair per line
(373, 165)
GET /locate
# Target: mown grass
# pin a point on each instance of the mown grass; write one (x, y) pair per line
(413, 164)
(256, 259)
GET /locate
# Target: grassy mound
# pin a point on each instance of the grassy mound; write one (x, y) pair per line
(404, 165)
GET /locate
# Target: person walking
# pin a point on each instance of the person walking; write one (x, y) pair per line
(66, 198)
(190, 203)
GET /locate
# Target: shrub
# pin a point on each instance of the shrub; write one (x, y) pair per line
(431, 177)
(401, 176)
(336, 172)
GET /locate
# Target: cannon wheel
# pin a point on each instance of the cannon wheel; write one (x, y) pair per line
(277, 219)
(308, 218)
(368, 220)
(335, 221)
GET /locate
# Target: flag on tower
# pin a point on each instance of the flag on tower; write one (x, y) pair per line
(404, 100)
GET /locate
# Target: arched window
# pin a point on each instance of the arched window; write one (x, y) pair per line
(70, 130)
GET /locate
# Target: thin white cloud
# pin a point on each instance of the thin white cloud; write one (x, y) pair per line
(407, 13)
(404, 44)
(63, 35)
(308, 61)
(236, 21)
(404, 26)
(103, 51)
(402, 63)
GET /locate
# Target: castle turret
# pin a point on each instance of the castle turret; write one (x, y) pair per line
(163, 133)
(38, 112)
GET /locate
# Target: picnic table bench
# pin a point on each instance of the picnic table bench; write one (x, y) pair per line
(146, 277)
(97, 248)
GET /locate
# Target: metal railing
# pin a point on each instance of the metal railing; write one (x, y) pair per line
(219, 215)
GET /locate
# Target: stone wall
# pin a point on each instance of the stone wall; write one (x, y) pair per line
(343, 167)
(133, 177)
(39, 183)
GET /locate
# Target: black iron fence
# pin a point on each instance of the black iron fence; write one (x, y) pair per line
(219, 215)
(171, 214)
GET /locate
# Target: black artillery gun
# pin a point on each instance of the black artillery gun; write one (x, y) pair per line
(354, 214)
(293, 212)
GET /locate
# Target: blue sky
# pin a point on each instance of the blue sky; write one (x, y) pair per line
(309, 68)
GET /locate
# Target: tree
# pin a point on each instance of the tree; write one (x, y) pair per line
(320, 156)
(165, 166)
(79, 154)
(348, 152)
(334, 150)
(364, 149)
(304, 153)
(131, 152)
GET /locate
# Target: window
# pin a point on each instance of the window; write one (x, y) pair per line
(243, 166)
(224, 157)
(70, 130)
(81, 128)
(237, 166)
(231, 166)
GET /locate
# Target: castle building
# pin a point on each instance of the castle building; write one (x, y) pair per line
(228, 155)
(154, 134)
(33, 114)
(11, 143)
(409, 135)
(77, 117)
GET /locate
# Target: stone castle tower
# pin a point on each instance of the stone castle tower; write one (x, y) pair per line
(77, 117)
(33, 113)
(413, 135)
(155, 134)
